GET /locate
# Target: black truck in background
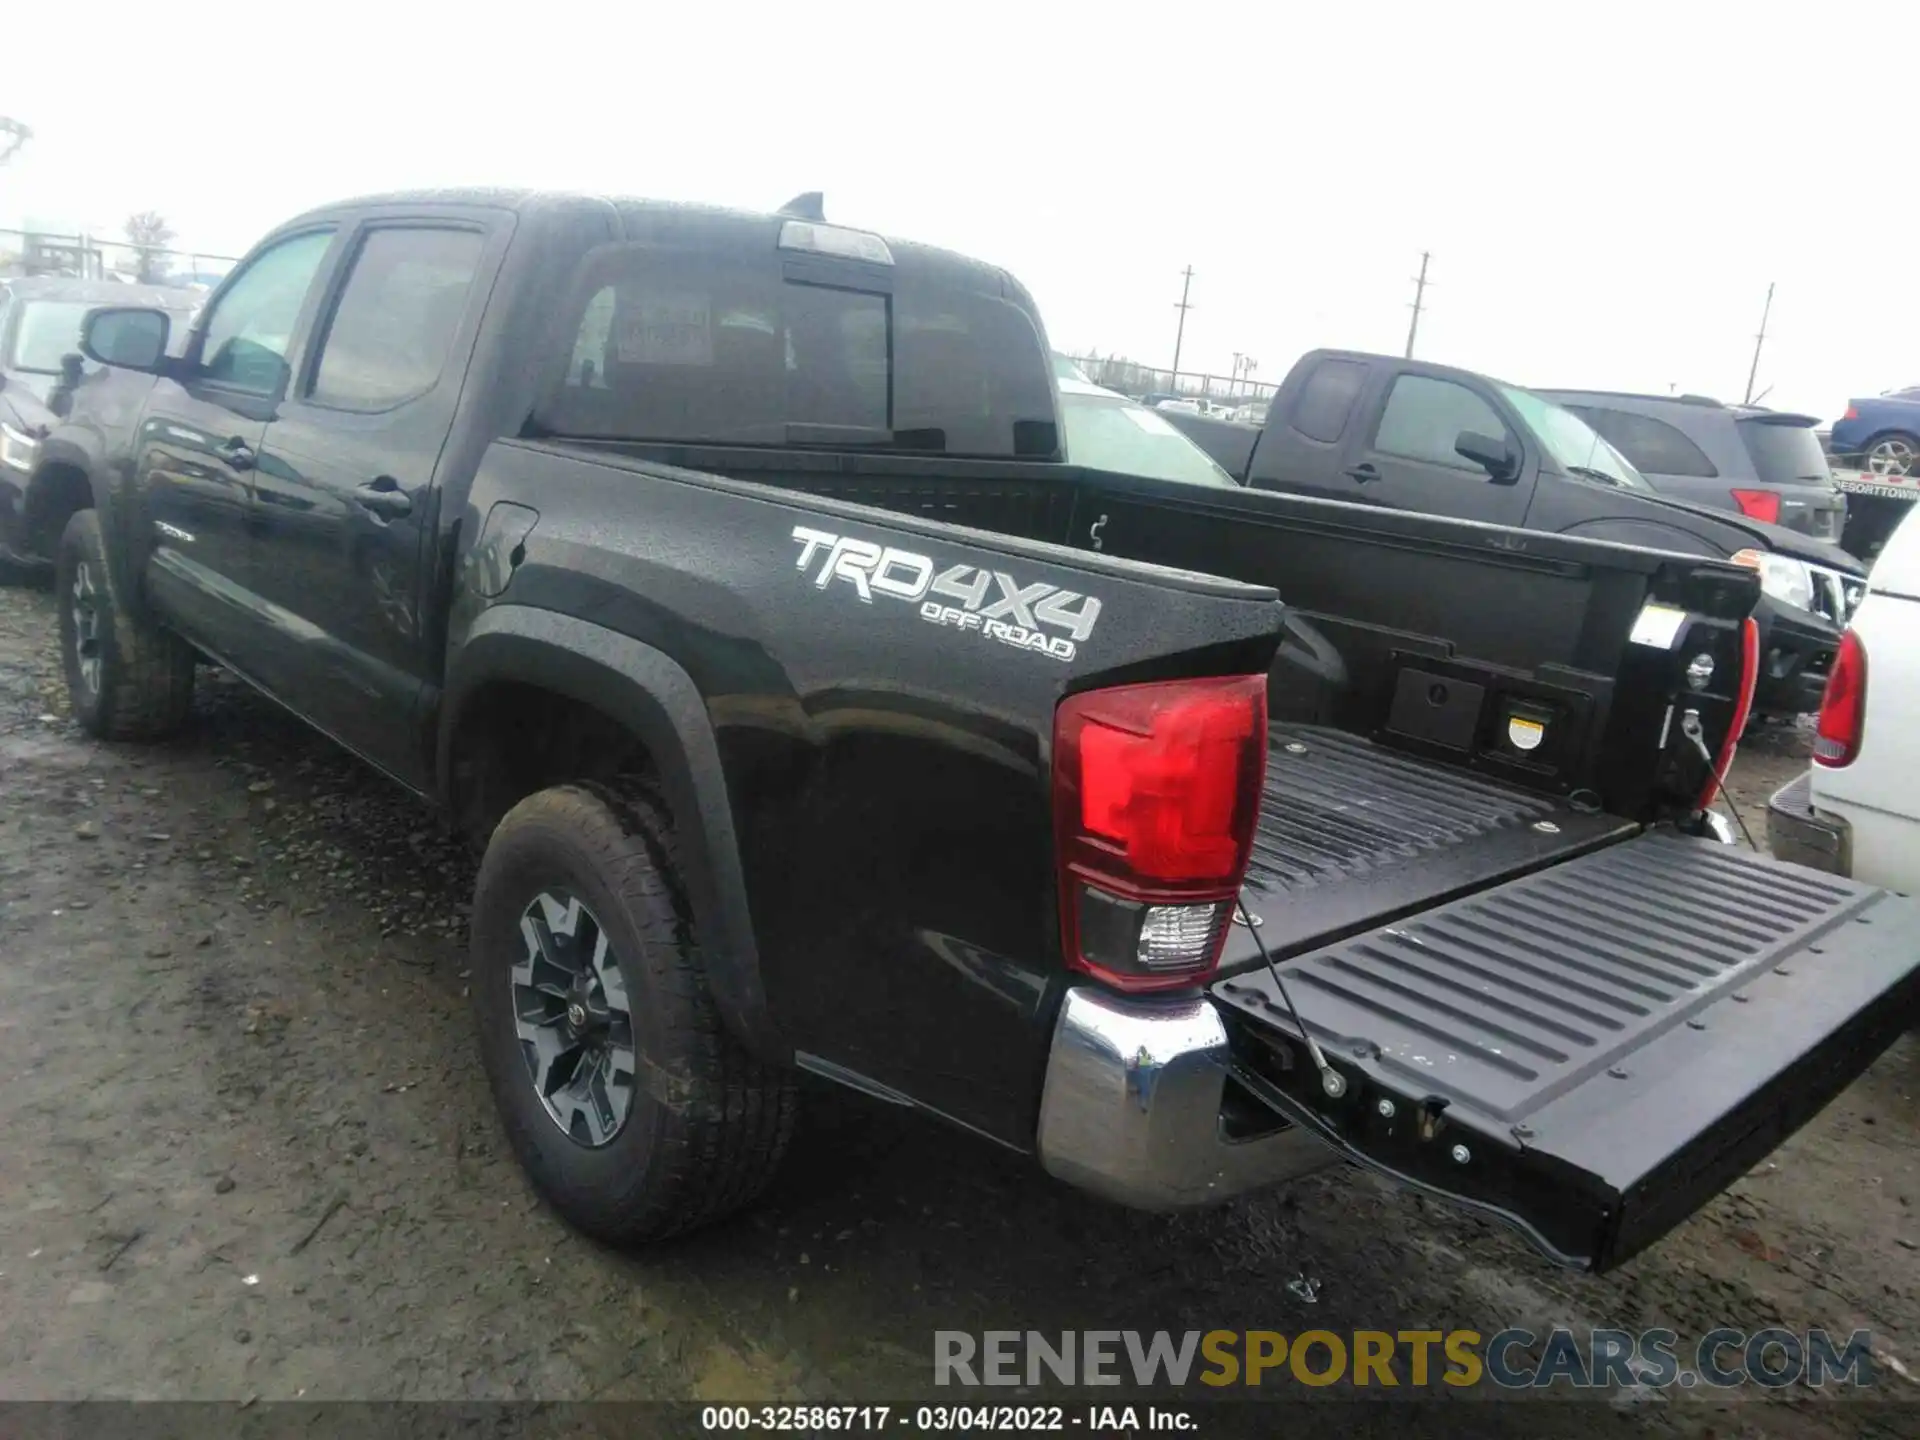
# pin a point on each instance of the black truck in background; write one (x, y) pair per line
(723, 576)
(1380, 430)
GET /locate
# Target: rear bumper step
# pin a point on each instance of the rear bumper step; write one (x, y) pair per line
(1593, 1051)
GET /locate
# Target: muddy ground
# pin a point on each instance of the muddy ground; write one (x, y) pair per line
(246, 1151)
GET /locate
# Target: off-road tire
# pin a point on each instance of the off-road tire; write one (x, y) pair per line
(707, 1123)
(142, 685)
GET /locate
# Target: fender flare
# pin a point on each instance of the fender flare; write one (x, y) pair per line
(647, 691)
(75, 450)
(59, 452)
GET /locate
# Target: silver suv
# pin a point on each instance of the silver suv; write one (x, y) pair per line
(1766, 464)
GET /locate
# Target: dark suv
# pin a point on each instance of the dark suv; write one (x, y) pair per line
(1766, 464)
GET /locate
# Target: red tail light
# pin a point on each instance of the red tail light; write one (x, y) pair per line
(1156, 789)
(1759, 505)
(1852, 414)
(1742, 708)
(1843, 708)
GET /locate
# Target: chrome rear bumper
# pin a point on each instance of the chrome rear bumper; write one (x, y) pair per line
(1132, 1107)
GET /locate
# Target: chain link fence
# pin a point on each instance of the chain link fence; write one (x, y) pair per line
(92, 257)
(1130, 377)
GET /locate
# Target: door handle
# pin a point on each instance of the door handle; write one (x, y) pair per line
(384, 497)
(1363, 472)
(237, 453)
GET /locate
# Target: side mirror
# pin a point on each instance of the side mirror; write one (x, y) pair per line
(132, 339)
(1491, 453)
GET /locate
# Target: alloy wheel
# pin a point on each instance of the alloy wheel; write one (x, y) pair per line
(572, 1015)
(86, 626)
(1891, 456)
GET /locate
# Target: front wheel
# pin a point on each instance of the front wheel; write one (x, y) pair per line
(633, 1109)
(127, 678)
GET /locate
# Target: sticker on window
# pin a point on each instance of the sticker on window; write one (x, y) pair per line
(1148, 421)
(664, 329)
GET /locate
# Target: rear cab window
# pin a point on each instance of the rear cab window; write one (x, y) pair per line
(1326, 399)
(710, 332)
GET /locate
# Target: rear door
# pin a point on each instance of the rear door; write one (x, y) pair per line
(345, 480)
(1593, 1051)
(1405, 453)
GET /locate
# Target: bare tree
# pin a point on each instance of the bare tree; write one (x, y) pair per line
(149, 234)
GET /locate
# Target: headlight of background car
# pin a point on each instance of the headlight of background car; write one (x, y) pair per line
(18, 451)
(1788, 581)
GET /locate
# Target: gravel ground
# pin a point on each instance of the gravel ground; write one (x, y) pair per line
(248, 1151)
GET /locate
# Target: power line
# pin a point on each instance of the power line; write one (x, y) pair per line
(1753, 373)
(1180, 335)
(1419, 297)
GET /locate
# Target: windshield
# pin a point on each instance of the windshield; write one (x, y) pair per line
(1066, 368)
(1110, 432)
(1574, 444)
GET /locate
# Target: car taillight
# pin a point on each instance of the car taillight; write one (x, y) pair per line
(1156, 789)
(1843, 708)
(1852, 413)
(1742, 708)
(1759, 505)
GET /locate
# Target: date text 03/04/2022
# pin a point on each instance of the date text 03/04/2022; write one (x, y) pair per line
(937, 1419)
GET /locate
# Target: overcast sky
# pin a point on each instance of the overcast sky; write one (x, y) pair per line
(1607, 189)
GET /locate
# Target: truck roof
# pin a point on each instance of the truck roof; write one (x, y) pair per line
(640, 212)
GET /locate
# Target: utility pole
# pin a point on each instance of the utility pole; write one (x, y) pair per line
(1179, 335)
(1233, 382)
(1419, 297)
(1754, 372)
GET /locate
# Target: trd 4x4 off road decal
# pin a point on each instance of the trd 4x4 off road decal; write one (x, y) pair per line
(966, 597)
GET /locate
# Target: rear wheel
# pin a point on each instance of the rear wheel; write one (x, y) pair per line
(632, 1108)
(127, 678)
(1893, 454)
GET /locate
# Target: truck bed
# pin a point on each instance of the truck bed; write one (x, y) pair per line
(1353, 833)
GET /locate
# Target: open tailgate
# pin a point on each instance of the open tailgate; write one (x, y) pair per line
(1593, 1051)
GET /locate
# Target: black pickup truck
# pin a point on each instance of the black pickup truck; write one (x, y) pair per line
(1379, 430)
(723, 576)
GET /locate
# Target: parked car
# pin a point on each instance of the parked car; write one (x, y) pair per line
(722, 575)
(1105, 430)
(40, 365)
(1856, 812)
(1387, 431)
(1765, 464)
(1880, 435)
